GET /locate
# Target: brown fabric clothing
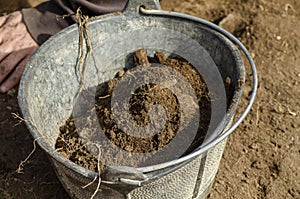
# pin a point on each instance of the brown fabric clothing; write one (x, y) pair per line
(52, 16)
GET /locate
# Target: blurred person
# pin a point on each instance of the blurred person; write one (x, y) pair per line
(22, 32)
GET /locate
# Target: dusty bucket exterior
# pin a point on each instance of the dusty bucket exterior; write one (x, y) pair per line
(50, 83)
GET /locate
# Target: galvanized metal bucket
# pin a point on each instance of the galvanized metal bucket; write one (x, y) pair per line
(50, 83)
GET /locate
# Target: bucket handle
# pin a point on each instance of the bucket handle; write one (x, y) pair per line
(134, 5)
(221, 137)
(143, 172)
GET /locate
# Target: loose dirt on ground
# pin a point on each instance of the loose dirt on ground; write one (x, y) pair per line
(262, 156)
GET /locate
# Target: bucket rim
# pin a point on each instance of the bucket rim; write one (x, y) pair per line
(91, 174)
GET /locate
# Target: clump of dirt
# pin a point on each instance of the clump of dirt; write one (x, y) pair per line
(71, 145)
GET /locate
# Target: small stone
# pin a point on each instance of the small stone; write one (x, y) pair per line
(278, 109)
(292, 113)
(245, 151)
(232, 22)
(253, 145)
(261, 8)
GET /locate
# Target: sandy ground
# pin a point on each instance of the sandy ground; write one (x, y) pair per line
(262, 156)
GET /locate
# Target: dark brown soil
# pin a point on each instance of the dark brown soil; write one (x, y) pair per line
(71, 145)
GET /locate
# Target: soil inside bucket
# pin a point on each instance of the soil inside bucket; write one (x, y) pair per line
(71, 145)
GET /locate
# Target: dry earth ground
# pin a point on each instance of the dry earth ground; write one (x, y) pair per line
(262, 156)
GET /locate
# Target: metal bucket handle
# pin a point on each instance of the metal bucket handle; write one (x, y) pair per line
(134, 5)
(233, 39)
(138, 176)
